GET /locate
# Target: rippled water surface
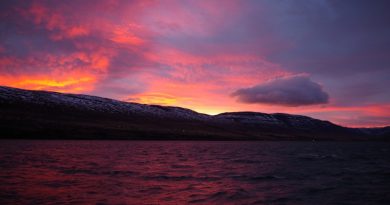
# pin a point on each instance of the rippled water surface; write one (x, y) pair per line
(172, 172)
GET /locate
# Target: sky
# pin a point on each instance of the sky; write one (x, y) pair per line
(328, 59)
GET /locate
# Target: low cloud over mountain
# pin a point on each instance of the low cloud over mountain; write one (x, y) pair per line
(296, 90)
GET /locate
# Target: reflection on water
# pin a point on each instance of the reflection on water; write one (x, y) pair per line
(137, 172)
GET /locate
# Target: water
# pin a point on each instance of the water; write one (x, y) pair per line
(137, 172)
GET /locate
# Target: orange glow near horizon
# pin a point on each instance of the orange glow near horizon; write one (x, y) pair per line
(76, 84)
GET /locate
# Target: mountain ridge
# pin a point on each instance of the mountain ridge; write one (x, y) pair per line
(54, 115)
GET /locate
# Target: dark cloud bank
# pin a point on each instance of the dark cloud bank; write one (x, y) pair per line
(289, 91)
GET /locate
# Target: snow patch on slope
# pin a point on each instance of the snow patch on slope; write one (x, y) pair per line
(92, 103)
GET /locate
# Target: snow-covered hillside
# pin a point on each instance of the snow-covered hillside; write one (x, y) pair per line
(43, 113)
(92, 103)
(277, 119)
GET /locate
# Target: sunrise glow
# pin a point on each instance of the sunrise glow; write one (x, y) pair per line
(263, 56)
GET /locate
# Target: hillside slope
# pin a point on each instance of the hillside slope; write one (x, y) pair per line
(51, 115)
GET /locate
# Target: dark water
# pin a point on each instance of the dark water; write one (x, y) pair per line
(136, 172)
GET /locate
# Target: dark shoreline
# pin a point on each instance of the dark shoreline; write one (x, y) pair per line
(183, 140)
